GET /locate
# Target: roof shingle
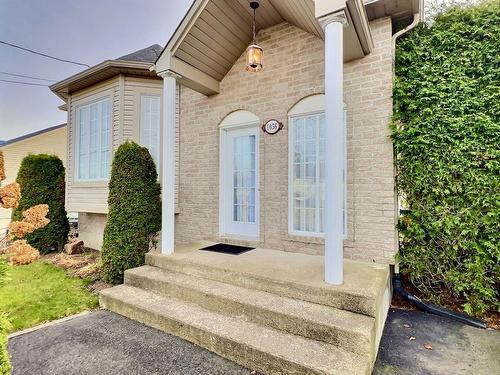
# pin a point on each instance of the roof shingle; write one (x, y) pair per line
(148, 54)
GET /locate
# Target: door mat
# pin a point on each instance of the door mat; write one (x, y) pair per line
(228, 249)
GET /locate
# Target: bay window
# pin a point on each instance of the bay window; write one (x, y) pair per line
(93, 141)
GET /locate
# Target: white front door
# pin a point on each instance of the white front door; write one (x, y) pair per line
(239, 201)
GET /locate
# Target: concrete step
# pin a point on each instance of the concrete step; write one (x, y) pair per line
(256, 347)
(350, 331)
(360, 293)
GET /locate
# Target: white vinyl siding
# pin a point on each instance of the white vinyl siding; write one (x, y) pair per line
(93, 141)
(150, 126)
(307, 175)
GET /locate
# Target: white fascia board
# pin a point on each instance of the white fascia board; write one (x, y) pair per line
(359, 17)
(194, 78)
(182, 30)
(189, 76)
(323, 8)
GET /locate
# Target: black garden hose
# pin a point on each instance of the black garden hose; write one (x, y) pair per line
(397, 284)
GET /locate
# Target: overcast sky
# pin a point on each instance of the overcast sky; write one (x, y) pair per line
(87, 31)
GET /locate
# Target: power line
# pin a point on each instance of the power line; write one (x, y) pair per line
(23, 76)
(43, 54)
(23, 83)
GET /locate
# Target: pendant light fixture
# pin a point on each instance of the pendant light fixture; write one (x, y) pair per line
(254, 52)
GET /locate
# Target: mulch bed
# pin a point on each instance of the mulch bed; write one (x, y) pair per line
(85, 266)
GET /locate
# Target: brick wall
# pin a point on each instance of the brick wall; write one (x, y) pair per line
(293, 69)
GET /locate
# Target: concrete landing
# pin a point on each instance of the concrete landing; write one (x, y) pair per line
(254, 346)
(364, 283)
(349, 330)
(359, 277)
(267, 310)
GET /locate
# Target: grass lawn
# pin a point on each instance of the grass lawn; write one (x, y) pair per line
(40, 292)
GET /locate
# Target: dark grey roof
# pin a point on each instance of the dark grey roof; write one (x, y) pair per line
(26, 136)
(148, 54)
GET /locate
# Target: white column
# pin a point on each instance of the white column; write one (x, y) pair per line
(168, 163)
(334, 164)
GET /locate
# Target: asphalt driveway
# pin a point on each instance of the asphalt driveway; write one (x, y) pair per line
(102, 342)
(416, 343)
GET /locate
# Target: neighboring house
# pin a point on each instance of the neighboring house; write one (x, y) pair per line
(46, 141)
(107, 104)
(319, 190)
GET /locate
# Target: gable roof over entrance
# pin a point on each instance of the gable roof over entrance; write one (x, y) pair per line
(214, 34)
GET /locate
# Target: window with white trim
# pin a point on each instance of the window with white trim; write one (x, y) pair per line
(93, 141)
(150, 126)
(307, 146)
(308, 174)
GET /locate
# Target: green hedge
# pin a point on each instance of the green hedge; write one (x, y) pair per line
(134, 216)
(4, 327)
(4, 355)
(447, 137)
(41, 178)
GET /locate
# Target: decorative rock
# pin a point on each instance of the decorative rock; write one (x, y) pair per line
(74, 248)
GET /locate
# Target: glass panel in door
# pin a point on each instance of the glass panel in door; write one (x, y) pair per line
(244, 181)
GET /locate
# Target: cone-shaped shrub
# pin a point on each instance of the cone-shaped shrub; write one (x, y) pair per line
(134, 215)
(41, 178)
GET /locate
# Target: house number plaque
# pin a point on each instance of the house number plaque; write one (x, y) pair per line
(272, 127)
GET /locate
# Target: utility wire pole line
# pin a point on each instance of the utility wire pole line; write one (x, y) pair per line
(30, 77)
(23, 83)
(43, 54)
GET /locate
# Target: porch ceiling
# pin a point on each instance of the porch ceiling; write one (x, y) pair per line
(223, 31)
(215, 33)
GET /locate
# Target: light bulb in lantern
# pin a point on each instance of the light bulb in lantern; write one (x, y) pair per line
(254, 52)
(254, 58)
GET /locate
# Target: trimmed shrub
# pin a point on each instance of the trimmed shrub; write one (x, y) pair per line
(41, 178)
(134, 215)
(4, 355)
(4, 327)
(447, 137)
(3, 271)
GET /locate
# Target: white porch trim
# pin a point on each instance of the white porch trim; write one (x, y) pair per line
(213, 35)
(168, 162)
(334, 163)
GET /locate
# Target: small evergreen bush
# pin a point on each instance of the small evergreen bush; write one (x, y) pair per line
(134, 215)
(4, 355)
(4, 327)
(41, 178)
(447, 137)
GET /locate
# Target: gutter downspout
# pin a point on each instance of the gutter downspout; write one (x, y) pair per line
(397, 282)
(417, 17)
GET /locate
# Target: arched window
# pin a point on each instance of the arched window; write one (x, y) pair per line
(307, 146)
